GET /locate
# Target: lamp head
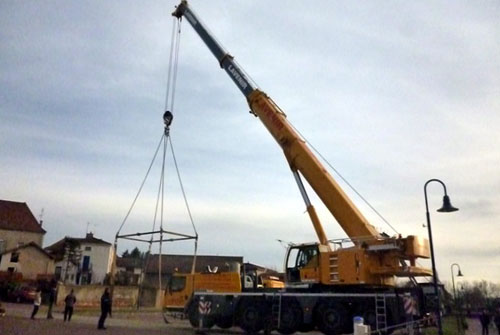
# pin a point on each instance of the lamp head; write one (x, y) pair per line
(459, 273)
(447, 207)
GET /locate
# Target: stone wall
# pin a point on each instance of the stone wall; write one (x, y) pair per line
(123, 296)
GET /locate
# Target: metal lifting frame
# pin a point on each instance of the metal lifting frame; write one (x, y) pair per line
(181, 237)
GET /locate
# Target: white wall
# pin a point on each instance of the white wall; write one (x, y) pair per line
(101, 257)
(67, 268)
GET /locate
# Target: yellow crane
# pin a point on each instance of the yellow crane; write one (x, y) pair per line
(326, 283)
(374, 259)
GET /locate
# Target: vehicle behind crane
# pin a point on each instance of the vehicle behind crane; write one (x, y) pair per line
(327, 282)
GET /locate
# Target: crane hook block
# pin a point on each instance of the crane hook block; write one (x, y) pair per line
(167, 118)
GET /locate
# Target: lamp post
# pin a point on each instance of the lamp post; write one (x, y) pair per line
(459, 274)
(446, 208)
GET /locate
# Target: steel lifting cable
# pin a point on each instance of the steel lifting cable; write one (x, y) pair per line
(348, 184)
(174, 48)
(146, 263)
(162, 187)
(344, 179)
(173, 65)
(187, 205)
(142, 185)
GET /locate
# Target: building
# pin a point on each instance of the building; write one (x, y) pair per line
(18, 226)
(82, 261)
(29, 259)
(128, 270)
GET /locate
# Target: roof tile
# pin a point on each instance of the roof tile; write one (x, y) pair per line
(18, 216)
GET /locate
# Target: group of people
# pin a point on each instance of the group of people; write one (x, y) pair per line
(69, 303)
(485, 318)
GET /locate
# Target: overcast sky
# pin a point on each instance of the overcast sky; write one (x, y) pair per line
(392, 93)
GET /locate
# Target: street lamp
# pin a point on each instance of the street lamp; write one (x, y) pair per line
(459, 274)
(446, 208)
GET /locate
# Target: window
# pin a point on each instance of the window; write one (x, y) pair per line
(14, 257)
(307, 256)
(88, 248)
(177, 283)
(292, 258)
(11, 270)
(86, 263)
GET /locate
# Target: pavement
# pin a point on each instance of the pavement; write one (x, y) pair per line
(84, 322)
(475, 327)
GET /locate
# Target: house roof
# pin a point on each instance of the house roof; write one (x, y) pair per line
(183, 263)
(18, 216)
(90, 239)
(58, 248)
(29, 245)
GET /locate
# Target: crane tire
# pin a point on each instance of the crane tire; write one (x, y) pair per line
(251, 314)
(331, 318)
(291, 319)
(194, 317)
(225, 322)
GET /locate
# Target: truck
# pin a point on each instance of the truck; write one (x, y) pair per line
(327, 282)
(181, 286)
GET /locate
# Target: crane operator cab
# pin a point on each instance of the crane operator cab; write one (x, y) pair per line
(302, 264)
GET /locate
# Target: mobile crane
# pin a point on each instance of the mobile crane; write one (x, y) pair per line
(326, 283)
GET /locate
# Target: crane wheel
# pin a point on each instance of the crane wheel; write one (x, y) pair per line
(331, 318)
(370, 318)
(251, 314)
(194, 317)
(291, 318)
(225, 322)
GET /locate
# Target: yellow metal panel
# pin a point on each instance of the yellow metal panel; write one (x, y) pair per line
(417, 246)
(301, 158)
(309, 275)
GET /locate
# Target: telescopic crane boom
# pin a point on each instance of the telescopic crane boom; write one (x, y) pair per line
(373, 259)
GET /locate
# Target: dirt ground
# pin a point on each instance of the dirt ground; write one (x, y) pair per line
(84, 322)
(475, 327)
(17, 322)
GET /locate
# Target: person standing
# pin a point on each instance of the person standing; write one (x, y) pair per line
(36, 303)
(105, 308)
(496, 319)
(485, 321)
(52, 299)
(2, 310)
(69, 302)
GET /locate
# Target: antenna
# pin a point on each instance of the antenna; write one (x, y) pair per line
(40, 217)
(284, 244)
